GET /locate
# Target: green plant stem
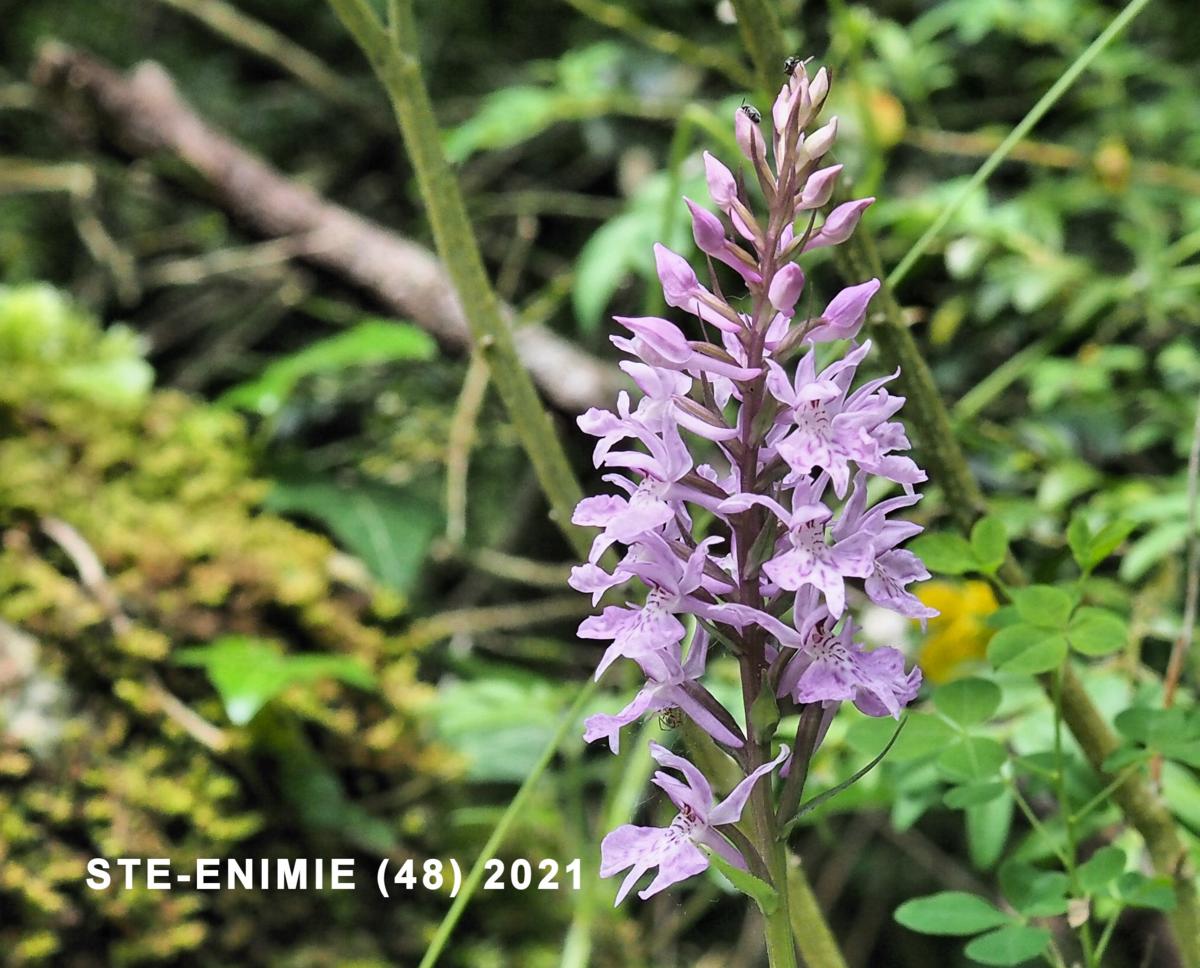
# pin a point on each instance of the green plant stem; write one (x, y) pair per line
(762, 36)
(816, 941)
(1064, 808)
(781, 946)
(1018, 133)
(512, 811)
(398, 69)
(802, 752)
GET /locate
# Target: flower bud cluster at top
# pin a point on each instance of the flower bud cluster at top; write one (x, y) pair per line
(788, 522)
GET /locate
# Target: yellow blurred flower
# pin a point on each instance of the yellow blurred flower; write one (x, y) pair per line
(958, 635)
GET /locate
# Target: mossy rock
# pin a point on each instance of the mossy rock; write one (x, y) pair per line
(131, 527)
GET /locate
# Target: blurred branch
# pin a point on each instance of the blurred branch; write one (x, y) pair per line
(239, 28)
(190, 270)
(1045, 154)
(458, 449)
(664, 41)
(500, 564)
(147, 115)
(546, 201)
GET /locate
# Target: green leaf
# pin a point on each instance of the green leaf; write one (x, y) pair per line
(1035, 893)
(1013, 944)
(501, 725)
(989, 542)
(973, 758)
(1097, 631)
(1090, 549)
(971, 794)
(923, 735)
(1122, 757)
(1101, 869)
(389, 529)
(1173, 732)
(513, 115)
(1138, 890)
(950, 913)
(604, 262)
(947, 554)
(1026, 650)
(764, 895)
(988, 826)
(810, 805)
(968, 701)
(1160, 542)
(623, 246)
(248, 673)
(371, 341)
(1044, 606)
(1079, 540)
(507, 117)
(315, 792)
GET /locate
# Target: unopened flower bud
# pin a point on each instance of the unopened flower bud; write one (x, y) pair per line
(819, 188)
(818, 87)
(721, 184)
(678, 279)
(821, 140)
(749, 137)
(707, 229)
(786, 287)
(840, 225)
(844, 315)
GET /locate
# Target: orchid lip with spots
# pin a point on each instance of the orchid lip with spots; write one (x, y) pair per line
(741, 502)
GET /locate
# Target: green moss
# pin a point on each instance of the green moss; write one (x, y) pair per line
(97, 760)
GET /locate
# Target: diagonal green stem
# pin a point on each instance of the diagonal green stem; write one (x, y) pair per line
(471, 882)
(393, 56)
(1017, 135)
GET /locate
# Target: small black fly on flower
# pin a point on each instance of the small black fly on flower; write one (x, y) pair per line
(752, 113)
(790, 65)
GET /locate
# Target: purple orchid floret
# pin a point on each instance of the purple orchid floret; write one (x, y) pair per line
(675, 849)
(741, 504)
(670, 684)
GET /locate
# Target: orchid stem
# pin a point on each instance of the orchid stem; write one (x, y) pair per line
(817, 943)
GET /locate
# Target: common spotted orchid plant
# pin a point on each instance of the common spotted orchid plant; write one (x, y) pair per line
(761, 545)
